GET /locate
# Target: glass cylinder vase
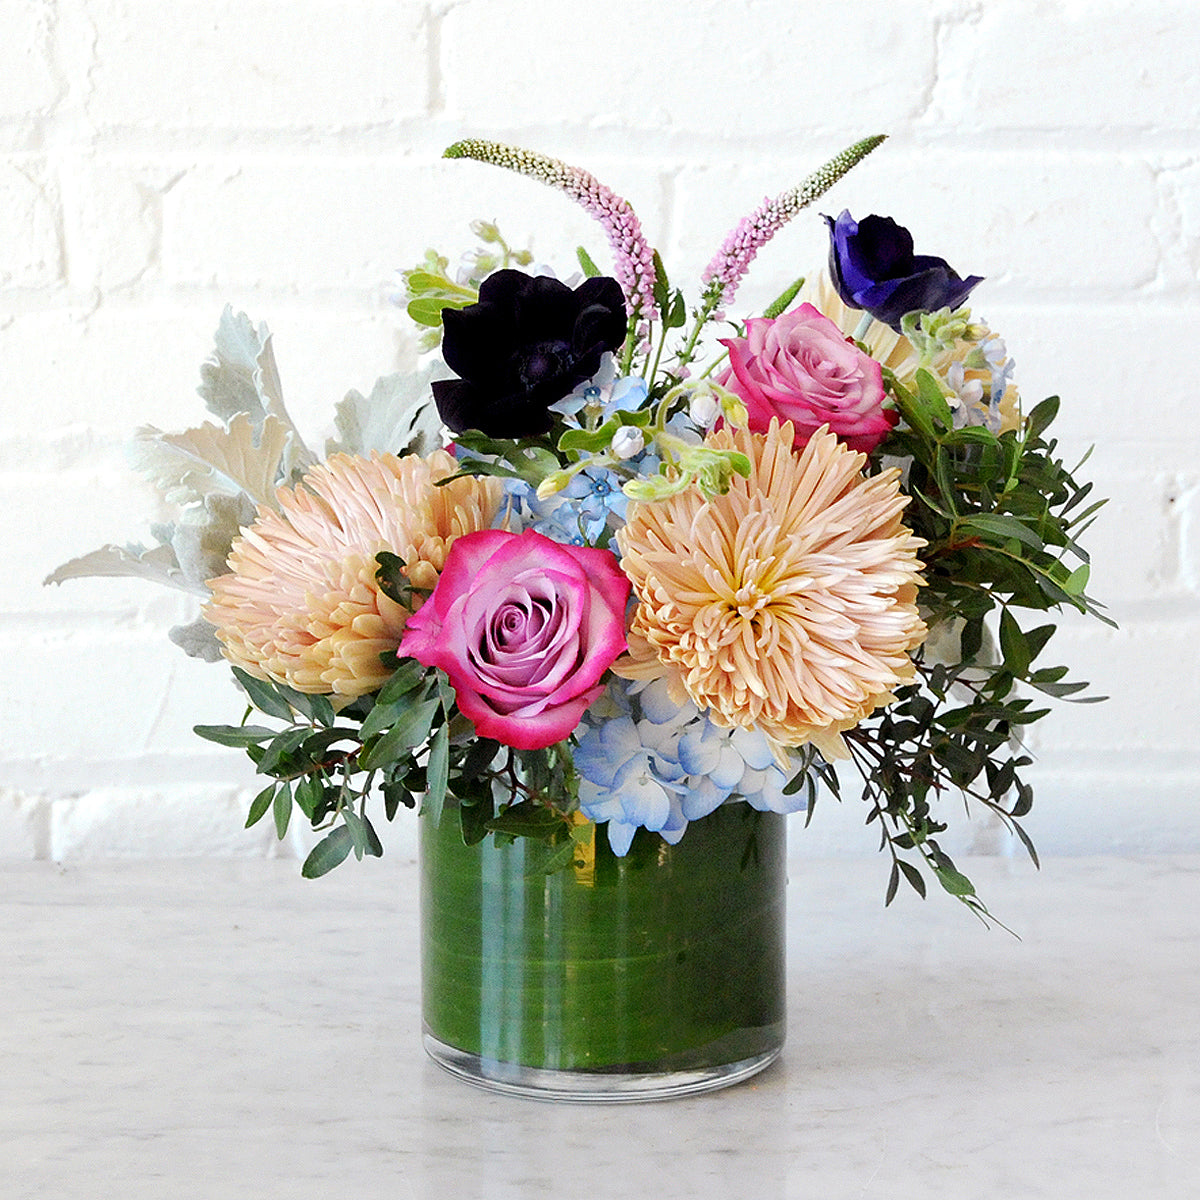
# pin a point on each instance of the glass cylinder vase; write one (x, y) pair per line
(657, 974)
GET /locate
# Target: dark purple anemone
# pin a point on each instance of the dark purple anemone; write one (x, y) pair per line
(527, 343)
(874, 268)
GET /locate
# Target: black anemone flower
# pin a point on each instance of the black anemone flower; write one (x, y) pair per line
(874, 268)
(527, 343)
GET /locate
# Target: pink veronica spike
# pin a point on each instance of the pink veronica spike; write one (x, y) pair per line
(634, 259)
(722, 276)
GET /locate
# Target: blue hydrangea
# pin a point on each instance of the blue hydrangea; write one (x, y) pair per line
(575, 516)
(622, 784)
(646, 761)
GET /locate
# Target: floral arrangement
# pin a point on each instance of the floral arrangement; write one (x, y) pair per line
(597, 566)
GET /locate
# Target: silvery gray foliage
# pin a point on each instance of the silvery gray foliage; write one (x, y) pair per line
(215, 475)
(197, 640)
(392, 419)
(155, 563)
(202, 546)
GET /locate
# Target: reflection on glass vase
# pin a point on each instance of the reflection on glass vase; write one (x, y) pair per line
(654, 975)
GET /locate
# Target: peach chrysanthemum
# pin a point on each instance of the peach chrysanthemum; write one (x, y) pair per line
(787, 604)
(301, 604)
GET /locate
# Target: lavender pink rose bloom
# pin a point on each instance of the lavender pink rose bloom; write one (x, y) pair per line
(801, 368)
(525, 628)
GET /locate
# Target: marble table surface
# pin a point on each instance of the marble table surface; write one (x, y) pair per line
(210, 1029)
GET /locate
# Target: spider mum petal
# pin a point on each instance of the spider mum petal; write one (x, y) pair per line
(301, 604)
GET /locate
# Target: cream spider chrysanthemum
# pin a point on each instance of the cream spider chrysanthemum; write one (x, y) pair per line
(787, 604)
(301, 604)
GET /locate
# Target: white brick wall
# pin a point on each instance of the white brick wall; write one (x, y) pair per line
(158, 160)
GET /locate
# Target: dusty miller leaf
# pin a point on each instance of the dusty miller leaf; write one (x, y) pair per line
(203, 537)
(156, 563)
(228, 384)
(242, 378)
(392, 418)
(197, 640)
(186, 467)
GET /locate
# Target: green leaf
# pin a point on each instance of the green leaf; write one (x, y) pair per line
(374, 845)
(661, 287)
(360, 841)
(932, 402)
(915, 880)
(995, 525)
(586, 264)
(1014, 645)
(954, 881)
(427, 310)
(383, 716)
(263, 696)
(282, 809)
(970, 435)
(1037, 639)
(558, 859)
(436, 774)
(591, 440)
(1039, 420)
(314, 707)
(527, 819)
(407, 676)
(259, 805)
(410, 730)
(1077, 581)
(1027, 843)
(943, 471)
(396, 794)
(329, 852)
(422, 281)
(914, 413)
(235, 735)
(474, 819)
(308, 794)
(479, 756)
(392, 578)
(316, 746)
(676, 316)
(279, 758)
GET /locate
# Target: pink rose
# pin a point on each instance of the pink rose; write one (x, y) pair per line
(524, 627)
(800, 367)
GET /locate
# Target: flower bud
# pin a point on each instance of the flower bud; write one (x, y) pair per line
(734, 410)
(704, 408)
(628, 442)
(552, 484)
(485, 231)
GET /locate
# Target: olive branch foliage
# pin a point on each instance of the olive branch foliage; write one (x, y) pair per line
(1001, 517)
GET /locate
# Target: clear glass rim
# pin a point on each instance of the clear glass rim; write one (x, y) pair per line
(591, 1087)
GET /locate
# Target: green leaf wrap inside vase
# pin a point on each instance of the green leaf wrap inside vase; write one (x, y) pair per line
(667, 962)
